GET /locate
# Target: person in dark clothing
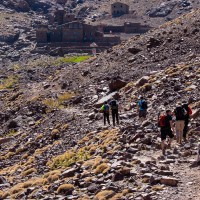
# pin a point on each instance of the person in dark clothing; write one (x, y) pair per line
(166, 128)
(187, 119)
(180, 114)
(106, 113)
(115, 111)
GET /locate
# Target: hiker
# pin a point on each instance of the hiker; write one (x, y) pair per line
(186, 106)
(166, 128)
(142, 108)
(106, 112)
(115, 111)
(180, 122)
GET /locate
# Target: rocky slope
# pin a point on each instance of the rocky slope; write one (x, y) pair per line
(22, 17)
(153, 13)
(53, 143)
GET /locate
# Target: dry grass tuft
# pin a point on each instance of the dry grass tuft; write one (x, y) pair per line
(65, 188)
(103, 195)
(29, 171)
(68, 158)
(102, 168)
(157, 187)
(8, 83)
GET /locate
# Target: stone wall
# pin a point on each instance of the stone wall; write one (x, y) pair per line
(127, 28)
(72, 35)
(114, 29)
(135, 28)
(89, 32)
(109, 40)
(41, 34)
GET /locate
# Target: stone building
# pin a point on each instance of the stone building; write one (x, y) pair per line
(73, 32)
(119, 8)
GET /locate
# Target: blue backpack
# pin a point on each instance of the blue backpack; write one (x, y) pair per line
(106, 108)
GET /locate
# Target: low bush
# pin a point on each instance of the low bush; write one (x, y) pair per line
(102, 168)
(106, 194)
(65, 189)
(68, 158)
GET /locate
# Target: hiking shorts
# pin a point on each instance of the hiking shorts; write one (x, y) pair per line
(142, 113)
(165, 133)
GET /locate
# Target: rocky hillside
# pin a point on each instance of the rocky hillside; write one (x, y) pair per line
(21, 17)
(54, 144)
(172, 43)
(153, 13)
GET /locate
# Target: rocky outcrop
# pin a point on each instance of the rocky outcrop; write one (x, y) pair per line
(116, 84)
(10, 38)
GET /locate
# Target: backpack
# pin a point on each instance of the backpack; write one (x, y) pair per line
(188, 109)
(161, 121)
(144, 105)
(106, 108)
(180, 113)
(114, 105)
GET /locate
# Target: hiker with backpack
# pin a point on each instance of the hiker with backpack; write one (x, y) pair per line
(186, 106)
(115, 111)
(106, 113)
(142, 107)
(180, 114)
(166, 128)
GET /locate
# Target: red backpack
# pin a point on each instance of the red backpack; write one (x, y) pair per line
(161, 120)
(189, 111)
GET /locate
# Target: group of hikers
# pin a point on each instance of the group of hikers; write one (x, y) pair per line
(182, 114)
(113, 104)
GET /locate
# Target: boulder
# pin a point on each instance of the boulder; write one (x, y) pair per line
(93, 188)
(22, 6)
(105, 98)
(69, 173)
(117, 177)
(169, 181)
(142, 81)
(2, 180)
(91, 116)
(116, 84)
(12, 124)
(134, 50)
(11, 37)
(125, 171)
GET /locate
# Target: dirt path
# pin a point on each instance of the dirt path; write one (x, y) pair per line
(189, 184)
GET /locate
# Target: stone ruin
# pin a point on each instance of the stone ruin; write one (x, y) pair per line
(70, 34)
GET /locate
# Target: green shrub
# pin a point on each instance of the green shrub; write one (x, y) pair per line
(74, 59)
